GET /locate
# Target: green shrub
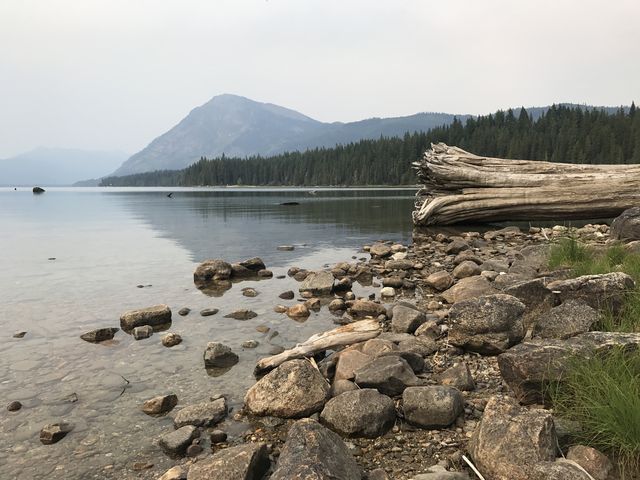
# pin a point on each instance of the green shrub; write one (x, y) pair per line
(602, 394)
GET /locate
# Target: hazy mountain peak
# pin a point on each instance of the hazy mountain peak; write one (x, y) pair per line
(238, 127)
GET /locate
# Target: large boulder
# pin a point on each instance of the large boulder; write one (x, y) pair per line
(470, 287)
(318, 283)
(566, 320)
(153, 316)
(406, 319)
(294, 389)
(488, 325)
(626, 226)
(360, 413)
(244, 462)
(212, 271)
(204, 414)
(388, 374)
(607, 291)
(432, 406)
(313, 452)
(532, 367)
(511, 439)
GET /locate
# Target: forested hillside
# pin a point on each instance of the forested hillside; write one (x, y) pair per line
(562, 134)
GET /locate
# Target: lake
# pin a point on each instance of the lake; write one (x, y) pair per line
(74, 259)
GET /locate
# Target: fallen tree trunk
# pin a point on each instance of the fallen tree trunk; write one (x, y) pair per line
(347, 334)
(459, 186)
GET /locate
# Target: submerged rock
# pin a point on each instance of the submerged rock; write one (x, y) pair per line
(203, 414)
(38, 190)
(140, 333)
(99, 335)
(176, 442)
(54, 432)
(14, 406)
(242, 314)
(171, 340)
(153, 316)
(211, 271)
(313, 452)
(219, 355)
(207, 312)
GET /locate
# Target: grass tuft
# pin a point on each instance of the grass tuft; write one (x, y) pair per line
(602, 394)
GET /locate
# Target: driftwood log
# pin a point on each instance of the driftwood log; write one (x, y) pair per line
(352, 333)
(459, 186)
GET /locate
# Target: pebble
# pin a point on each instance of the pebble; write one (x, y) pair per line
(288, 295)
(250, 344)
(171, 340)
(207, 312)
(14, 406)
(286, 248)
(194, 450)
(19, 334)
(183, 312)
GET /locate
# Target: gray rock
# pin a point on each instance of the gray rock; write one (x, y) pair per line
(398, 264)
(54, 432)
(598, 291)
(456, 247)
(176, 442)
(626, 226)
(288, 295)
(241, 314)
(488, 325)
(380, 250)
(494, 265)
(211, 271)
(393, 282)
(406, 319)
(511, 439)
(532, 367)
(250, 344)
(207, 312)
(318, 283)
(174, 473)
(312, 452)
(359, 413)
(468, 288)
(292, 390)
(533, 293)
(422, 346)
(183, 312)
(432, 406)
(558, 470)
(204, 414)
(99, 335)
(415, 361)
(340, 386)
(159, 405)
(14, 406)
(218, 355)
(466, 269)
(244, 462)
(218, 436)
(388, 374)
(566, 320)
(153, 316)
(19, 334)
(249, 292)
(337, 305)
(378, 346)
(140, 333)
(458, 376)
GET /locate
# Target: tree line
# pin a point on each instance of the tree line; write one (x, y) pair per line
(567, 134)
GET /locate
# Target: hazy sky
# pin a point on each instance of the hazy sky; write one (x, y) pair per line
(114, 74)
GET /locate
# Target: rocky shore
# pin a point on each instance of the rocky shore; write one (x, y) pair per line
(470, 331)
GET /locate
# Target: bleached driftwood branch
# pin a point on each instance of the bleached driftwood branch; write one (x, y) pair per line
(459, 186)
(345, 335)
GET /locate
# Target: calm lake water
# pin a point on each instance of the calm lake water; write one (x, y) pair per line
(106, 242)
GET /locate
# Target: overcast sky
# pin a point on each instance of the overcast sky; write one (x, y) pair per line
(114, 74)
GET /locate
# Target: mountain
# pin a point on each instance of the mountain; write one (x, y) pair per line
(57, 166)
(238, 127)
